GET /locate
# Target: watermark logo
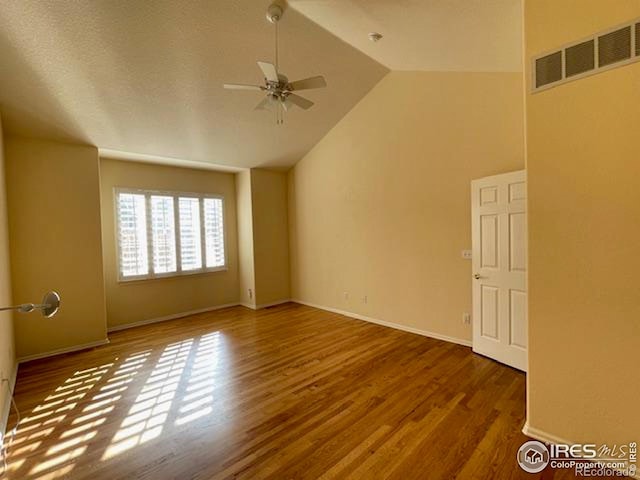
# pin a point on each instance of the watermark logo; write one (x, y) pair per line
(585, 459)
(533, 456)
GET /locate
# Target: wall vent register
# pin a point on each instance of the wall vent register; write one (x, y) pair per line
(600, 52)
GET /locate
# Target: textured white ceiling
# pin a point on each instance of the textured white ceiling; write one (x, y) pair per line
(440, 35)
(146, 77)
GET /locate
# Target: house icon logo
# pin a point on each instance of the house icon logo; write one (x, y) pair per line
(533, 456)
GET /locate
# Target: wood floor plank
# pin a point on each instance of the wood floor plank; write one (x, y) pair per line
(289, 392)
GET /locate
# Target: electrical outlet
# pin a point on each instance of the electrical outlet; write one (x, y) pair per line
(250, 294)
(466, 318)
(365, 299)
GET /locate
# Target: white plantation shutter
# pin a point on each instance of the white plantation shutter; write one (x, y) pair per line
(190, 234)
(132, 235)
(168, 233)
(213, 232)
(163, 234)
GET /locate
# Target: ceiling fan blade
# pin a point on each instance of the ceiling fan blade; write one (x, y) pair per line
(299, 101)
(237, 86)
(308, 83)
(269, 71)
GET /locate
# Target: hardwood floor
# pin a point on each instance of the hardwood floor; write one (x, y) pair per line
(282, 393)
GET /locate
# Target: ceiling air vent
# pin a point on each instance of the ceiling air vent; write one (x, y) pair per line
(580, 58)
(614, 47)
(548, 69)
(600, 52)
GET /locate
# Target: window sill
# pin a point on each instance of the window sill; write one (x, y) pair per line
(165, 276)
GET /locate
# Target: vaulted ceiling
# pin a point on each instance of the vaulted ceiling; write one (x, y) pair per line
(433, 35)
(146, 77)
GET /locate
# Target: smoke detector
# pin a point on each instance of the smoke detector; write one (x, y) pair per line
(375, 36)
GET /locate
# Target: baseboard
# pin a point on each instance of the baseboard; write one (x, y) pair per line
(60, 351)
(272, 304)
(174, 316)
(397, 326)
(547, 437)
(542, 435)
(265, 305)
(6, 408)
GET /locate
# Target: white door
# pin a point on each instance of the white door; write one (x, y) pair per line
(499, 230)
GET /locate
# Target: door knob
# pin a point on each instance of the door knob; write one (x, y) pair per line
(477, 276)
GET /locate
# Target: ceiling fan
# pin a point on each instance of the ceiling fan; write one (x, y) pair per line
(279, 91)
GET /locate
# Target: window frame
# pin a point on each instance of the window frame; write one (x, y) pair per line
(175, 195)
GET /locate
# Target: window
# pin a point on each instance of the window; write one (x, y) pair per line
(190, 237)
(163, 234)
(168, 233)
(132, 235)
(213, 232)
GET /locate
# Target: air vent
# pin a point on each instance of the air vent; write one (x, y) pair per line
(614, 47)
(580, 58)
(548, 69)
(601, 51)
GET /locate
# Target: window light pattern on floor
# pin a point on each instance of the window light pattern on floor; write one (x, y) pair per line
(178, 389)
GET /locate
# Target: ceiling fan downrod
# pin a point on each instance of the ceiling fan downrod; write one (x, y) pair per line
(274, 14)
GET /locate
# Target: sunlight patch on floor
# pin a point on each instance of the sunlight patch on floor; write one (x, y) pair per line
(182, 386)
(146, 417)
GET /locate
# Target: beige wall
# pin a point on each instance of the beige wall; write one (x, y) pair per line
(54, 231)
(247, 279)
(263, 237)
(381, 206)
(270, 236)
(129, 302)
(584, 223)
(7, 351)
